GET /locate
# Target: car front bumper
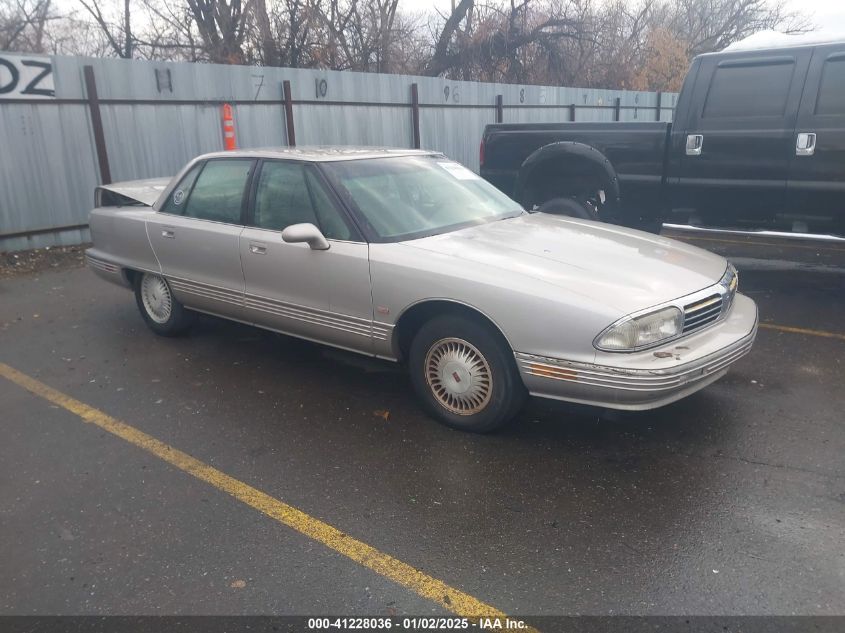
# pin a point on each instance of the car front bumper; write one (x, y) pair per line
(650, 378)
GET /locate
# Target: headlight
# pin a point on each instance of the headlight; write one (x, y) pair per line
(642, 331)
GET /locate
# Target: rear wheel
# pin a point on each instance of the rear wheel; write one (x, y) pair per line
(465, 374)
(161, 311)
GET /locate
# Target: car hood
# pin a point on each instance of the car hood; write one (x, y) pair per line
(618, 267)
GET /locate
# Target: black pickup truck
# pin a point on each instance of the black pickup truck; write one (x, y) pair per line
(758, 141)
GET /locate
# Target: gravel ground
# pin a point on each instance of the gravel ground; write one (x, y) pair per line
(41, 259)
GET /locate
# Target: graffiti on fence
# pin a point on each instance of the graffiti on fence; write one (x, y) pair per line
(26, 77)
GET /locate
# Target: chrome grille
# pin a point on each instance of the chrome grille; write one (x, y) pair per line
(702, 313)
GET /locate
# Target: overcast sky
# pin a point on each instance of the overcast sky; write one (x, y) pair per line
(828, 15)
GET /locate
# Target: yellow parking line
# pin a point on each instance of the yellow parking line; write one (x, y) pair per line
(801, 330)
(419, 582)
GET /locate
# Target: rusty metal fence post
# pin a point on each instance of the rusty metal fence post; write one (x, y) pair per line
(415, 114)
(291, 132)
(97, 124)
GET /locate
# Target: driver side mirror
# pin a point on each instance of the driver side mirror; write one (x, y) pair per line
(308, 233)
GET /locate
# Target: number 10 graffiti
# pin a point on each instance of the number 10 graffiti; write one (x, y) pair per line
(26, 78)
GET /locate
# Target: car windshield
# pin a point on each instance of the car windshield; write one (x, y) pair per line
(407, 197)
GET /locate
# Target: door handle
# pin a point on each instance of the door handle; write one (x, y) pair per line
(805, 144)
(694, 144)
(168, 233)
(257, 249)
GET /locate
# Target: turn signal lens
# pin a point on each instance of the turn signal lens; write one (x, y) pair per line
(642, 331)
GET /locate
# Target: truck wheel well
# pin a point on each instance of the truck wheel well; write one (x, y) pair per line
(563, 177)
(414, 317)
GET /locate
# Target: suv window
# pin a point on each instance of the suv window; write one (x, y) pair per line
(831, 99)
(288, 193)
(217, 193)
(749, 90)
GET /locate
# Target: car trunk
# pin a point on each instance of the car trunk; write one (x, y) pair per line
(130, 193)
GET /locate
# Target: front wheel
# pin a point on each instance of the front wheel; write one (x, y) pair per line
(161, 311)
(465, 374)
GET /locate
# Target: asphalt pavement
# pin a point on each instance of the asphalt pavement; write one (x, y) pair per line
(731, 501)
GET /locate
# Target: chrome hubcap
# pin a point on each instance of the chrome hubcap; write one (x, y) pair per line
(155, 294)
(459, 376)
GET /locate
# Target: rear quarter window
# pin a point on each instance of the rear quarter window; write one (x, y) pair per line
(177, 199)
(831, 98)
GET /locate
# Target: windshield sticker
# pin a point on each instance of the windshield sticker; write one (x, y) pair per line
(178, 196)
(459, 171)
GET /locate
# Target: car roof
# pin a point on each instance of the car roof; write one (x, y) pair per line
(770, 42)
(320, 153)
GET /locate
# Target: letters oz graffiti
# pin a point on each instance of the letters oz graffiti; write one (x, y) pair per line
(26, 77)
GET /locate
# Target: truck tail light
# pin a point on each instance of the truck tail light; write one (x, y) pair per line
(481, 153)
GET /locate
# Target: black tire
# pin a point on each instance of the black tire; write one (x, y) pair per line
(172, 322)
(567, 206)
(496, 404)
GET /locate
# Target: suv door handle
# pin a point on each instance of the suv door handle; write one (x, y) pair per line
(168, 233)
(805, 144)
(257, 249)
(694, 144)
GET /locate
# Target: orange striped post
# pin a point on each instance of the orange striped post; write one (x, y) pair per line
(229, 141)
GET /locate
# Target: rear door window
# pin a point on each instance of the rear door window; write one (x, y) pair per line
(748, 89)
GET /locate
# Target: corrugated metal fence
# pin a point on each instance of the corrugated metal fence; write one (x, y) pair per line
(110, 119)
